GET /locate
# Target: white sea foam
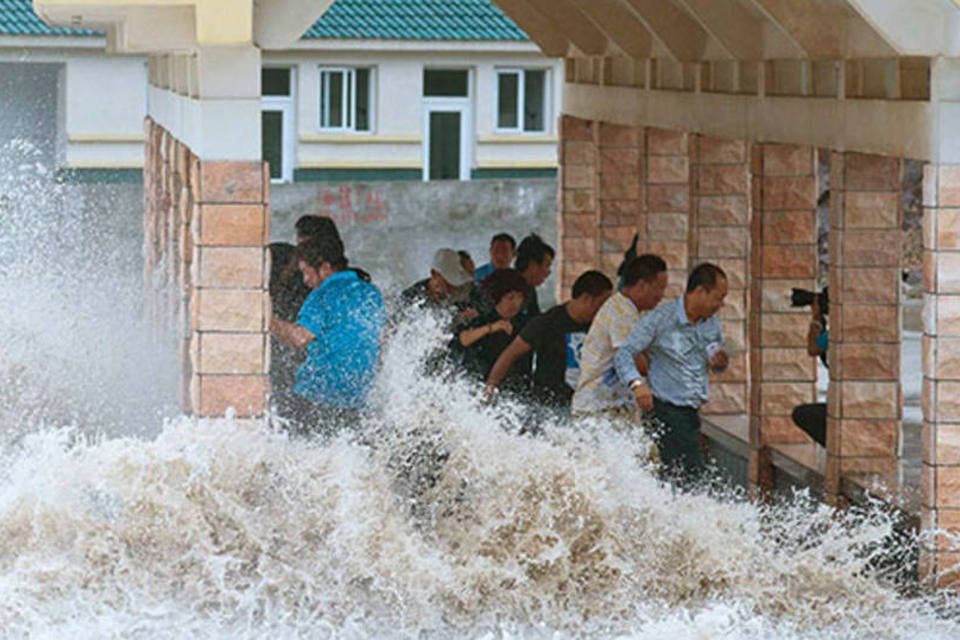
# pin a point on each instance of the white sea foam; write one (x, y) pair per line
(433, 517)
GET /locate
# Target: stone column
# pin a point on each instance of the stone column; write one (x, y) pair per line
(940, 471)
(664, 224)
(206, 225)
(721, 234)
(863, 407)
(621, 192)
(578, 226)
(783, 255)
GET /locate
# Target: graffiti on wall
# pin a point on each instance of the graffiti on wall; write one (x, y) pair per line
(353, 204)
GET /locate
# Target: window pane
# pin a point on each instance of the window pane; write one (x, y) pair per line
(348, 94)
(335, 115)
(444, 145)
(272, 130)
(445, 83)
(507, 100)
(534, 100)
(275, 82)
(363, 100)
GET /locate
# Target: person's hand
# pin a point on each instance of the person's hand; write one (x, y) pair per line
(815, 314)
(489, 393)
(643, 397)
(468, 314)
(502, 325)
(719, 360)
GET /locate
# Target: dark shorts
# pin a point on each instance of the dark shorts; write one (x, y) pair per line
(302, 417)
(681, 455)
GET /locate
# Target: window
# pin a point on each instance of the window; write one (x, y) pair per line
(275, 82)
(522, 100)
(346, 99)
(446, 83)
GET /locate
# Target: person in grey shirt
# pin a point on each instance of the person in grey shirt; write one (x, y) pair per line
(683, 341)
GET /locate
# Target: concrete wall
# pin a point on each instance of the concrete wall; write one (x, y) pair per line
(392, 228)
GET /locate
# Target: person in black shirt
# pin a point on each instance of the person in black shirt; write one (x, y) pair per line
(534, 261)
(483, 340)
(551, 337)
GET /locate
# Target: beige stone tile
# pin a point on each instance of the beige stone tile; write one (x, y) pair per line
(869, 361)
(868, 437)
(947, 401)
(788, 160)
(870, 172)
(231, 182)
(666, 142)
(231, 225)
(725, 242)
(229, 353)
(572, 128)
(229, 267)
(614, 135)
(667, 226)
(668, 197)
(784, 330)
(245, 394)
(786, 365)
(228, 309)
(946, 312)
(789, 194)
(579, 152)
(948, 186)
(789, 261)
(722, 179)
(869, 399)
(874, 286)
(780, 398)
(667, 169)
(620, 212)
(727, 398)
(722, 210)
(948, 272)
(871, 248)
(721, 150)
(789, 227)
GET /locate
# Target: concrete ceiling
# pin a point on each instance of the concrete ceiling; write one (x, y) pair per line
(748, 30)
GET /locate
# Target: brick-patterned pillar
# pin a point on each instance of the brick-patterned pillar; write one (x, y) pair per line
(940, 473)
(665, 218)
(721, 234)
(579, 210)
(621, 190)
(863, 407)
(783, 255)
(206, 226)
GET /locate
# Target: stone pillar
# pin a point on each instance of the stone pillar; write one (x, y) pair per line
(863, 407)
(664, 224)
(579, 209)
(621, 191)
(940, 471)
(207, 224)
(783, 255)
(721, 234)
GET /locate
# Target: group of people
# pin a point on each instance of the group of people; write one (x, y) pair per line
(608, 350)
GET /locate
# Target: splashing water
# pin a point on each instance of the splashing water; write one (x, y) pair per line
(432, 518)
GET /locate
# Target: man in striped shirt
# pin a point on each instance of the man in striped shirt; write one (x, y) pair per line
(599, 390)
(683, 342)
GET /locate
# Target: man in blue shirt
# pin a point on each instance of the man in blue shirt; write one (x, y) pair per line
(502, 250)
(683, 341)
(339, 325)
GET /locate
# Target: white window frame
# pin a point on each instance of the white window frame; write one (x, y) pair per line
(348, 99)
(521, 96)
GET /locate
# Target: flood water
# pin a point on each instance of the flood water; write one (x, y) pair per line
(433, 518)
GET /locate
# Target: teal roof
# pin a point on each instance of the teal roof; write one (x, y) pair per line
(415, 20)
(345, 20)
(18, 19)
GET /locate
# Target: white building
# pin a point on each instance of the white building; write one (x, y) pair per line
(375, 90)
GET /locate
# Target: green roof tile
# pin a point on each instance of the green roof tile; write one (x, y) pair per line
(18, 19)
(346, 19)
(415, 20)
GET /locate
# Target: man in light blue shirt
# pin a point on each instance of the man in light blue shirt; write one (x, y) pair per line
(503, 248)
(339, 325)
(683, 342)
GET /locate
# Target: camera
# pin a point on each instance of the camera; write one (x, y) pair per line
(805, 298)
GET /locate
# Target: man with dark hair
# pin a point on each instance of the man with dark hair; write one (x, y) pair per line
(644, 279)
(312, 226)
(554, 337)
(534, 260)
(683, 342)
(339, 325)
(503, 248)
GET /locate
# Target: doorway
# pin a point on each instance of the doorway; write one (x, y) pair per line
(277, 125)
(447, 124)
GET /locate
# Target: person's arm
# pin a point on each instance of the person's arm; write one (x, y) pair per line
(640, 338)
(718, 359)
(516, 350)
(470, 336)
(291, 333)
(814, 330)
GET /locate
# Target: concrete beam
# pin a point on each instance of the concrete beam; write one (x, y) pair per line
(580, 30)
(620, 25)
(550, 38)
(739, 31)
(152, 29)
(827, 29)
(683, 36)
(915, 27)
(279, 23)
(899, 128)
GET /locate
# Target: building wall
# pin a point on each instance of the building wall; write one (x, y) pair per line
(29, 112)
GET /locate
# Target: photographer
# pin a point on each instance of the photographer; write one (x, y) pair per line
(812, 418)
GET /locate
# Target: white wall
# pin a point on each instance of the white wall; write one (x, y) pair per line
(397, 135)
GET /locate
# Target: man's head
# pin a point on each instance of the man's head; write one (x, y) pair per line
(706, 289)
(446, 274)
(466, 261)
(315, 227)
(644, 280)
(534, 259)
(507, 290)
(589, 293)
(319, 258)
(503, 248)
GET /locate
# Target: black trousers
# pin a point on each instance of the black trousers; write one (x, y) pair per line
(680, 453)
(307, 418)
(812, 418)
